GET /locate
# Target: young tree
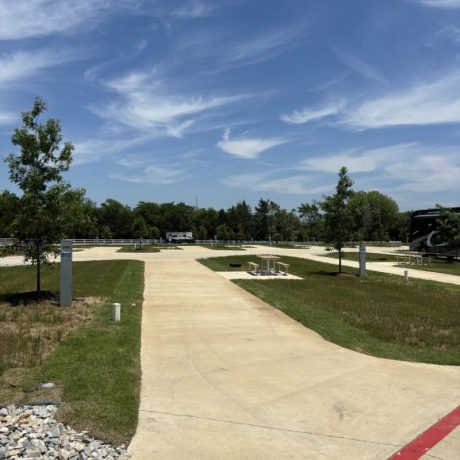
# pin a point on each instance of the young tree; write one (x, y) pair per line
(338, 219)
(37, 170)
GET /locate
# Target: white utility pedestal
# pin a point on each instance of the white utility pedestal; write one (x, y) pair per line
(116, 312)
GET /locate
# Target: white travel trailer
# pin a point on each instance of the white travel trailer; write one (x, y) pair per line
(179, 237)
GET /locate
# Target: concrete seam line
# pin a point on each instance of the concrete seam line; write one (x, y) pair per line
(267, 427)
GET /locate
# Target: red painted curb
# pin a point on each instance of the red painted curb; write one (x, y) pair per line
(429, 438)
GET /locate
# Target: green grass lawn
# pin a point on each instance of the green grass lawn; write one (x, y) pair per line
(147, 248)
(286, 246)
(370, 257)
(439, 266)
(435, 265)
(377, 315)
(223, 247)
(94, 362)
(386, 244)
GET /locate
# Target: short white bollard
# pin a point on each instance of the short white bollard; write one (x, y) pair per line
(406, 276)
(116, 312)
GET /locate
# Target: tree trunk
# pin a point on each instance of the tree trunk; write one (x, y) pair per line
(38, 269)
(340, 258)
(38, 277)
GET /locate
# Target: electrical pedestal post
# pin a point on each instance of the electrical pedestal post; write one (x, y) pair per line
(66, 273)
(362, 259)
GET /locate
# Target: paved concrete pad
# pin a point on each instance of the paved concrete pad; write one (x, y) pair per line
(227, 376)
(448, 448)
(241, 275)
(196, 252)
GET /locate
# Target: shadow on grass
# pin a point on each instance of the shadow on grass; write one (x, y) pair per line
(28, 298)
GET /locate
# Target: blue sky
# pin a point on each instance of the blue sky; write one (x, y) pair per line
(227, 100)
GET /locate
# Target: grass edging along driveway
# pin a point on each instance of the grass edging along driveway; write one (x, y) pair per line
(96, 366)
(377, 315)
(146, 248)
(436, 265)
(222, 247)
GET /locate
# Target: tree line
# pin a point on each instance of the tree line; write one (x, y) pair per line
(372, 216)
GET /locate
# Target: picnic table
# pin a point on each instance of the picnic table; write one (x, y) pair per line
(268, 263)
(411, 258)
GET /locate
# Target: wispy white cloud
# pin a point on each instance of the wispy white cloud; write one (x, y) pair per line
(437, 170)
(402, 167)
(248, 148)
(92, 150)
(21, 19)
(264, 46)
(23, 64)
(439, 3)
(7, 117)
(178, 129)
(268, 182)
(358, 161)
(361, 67)
(194, 9)
(312, 114)
(421, 104)
(147, 104)
(150, 173)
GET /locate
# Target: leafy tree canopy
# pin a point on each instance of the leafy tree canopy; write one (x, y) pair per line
(41, 218)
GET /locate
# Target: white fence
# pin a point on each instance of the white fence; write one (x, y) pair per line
(135, 241)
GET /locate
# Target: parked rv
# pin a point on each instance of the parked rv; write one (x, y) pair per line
(179, 237)
(424, 234)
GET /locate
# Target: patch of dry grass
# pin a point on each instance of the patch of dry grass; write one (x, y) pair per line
(30, 332)
(94, 362)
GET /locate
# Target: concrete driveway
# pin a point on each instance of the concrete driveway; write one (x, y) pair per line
(226, 376)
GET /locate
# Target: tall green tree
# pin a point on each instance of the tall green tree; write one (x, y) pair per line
(264, 219)
(80, 214)
(117, 217)
(338, 218)
(374, 215)
(37, 170)
(401, 228)
(313, 219)
(449, 227)
(9, 204)
(286, 225)
(239, 218)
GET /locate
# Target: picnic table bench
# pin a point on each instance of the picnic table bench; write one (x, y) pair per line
(283, 267)
(253, 268)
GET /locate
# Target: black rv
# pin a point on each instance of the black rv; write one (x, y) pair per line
(424, 234)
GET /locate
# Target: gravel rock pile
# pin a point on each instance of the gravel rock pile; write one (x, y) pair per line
(31, 432)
